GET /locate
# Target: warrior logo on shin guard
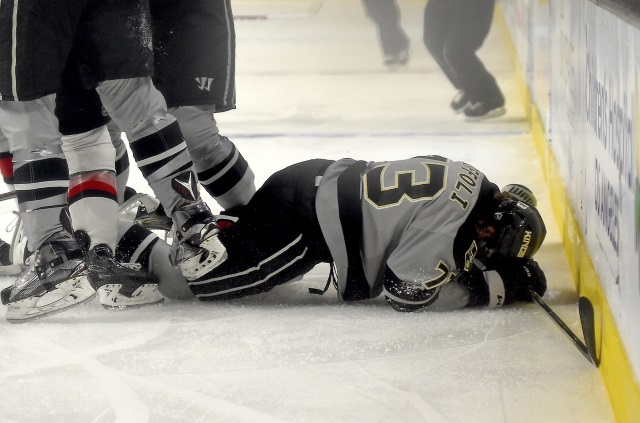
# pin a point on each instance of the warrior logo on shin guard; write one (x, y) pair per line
(186, 185)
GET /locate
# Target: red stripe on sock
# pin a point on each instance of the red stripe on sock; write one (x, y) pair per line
(6, 167)
(103, 181)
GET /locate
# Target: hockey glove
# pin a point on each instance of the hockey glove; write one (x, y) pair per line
(505, 283)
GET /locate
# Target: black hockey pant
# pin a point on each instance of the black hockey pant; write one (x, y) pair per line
(276, 238)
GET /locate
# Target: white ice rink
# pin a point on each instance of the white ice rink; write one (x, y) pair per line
(311, 84)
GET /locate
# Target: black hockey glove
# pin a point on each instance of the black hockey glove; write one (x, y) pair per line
(505, 283)
(518, 276)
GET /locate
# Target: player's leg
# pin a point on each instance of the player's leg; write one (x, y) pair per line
(221, 168)
(162, 156)
(122, 160)
(93, 196)
(437, 33)
(202, 87)
(468, 32)
(119, 33)
(393, 39)
(56, 278)
(276, 237)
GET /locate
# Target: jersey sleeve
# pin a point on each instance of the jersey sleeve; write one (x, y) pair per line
(418, 269)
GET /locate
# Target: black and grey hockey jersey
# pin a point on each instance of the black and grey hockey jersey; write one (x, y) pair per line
(406, 220)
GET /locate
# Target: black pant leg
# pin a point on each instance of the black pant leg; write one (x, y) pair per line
(276, 238)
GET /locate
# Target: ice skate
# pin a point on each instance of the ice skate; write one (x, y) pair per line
(196, 249)
(55, 281)
(119, 286)
(146, 211)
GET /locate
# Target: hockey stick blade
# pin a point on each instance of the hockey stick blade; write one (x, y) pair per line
(572, 336)
(587, 319)
(7, 195)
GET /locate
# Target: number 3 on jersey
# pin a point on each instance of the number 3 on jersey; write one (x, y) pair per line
(387, 185)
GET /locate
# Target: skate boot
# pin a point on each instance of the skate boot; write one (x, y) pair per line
(118, 286)
(55, 281)
(146, 211)
(196, 249)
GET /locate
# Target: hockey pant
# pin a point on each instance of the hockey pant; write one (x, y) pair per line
(277, 237)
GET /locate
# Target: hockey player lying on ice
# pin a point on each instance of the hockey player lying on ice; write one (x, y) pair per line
(424, 232)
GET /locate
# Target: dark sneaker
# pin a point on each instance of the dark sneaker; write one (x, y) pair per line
(486, 109)
(119, 286)
(459, 102)
(55, 281)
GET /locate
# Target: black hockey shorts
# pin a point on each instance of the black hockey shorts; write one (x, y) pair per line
(112, 40)
(276, 238)
(194, 46)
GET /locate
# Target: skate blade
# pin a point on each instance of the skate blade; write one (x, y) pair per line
(68, 294)
(111, 299)
(194, 267)
(500, 111)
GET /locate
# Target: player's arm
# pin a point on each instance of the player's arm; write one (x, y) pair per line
(506, 283)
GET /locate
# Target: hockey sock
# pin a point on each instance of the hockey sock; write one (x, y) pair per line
(93, 198)
(161, 156)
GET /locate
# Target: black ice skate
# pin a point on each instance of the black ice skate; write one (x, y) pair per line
(489, 108)
(55, 281)
(196, 249)
(118, 286)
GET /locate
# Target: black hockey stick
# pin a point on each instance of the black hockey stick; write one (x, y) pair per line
(576, 341)
(587, 319)
(7, 195)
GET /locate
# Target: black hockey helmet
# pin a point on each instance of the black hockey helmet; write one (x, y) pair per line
(522, 193)
(520, 230)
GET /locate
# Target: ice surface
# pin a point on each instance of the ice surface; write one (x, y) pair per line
(312, 85)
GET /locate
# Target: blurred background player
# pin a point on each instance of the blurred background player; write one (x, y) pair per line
(393, 40)
(448, 238)
(454, 30)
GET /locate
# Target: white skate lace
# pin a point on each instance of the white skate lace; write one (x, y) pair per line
(11, 226)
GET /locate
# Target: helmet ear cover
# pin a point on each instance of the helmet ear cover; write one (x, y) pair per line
(520, 230)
